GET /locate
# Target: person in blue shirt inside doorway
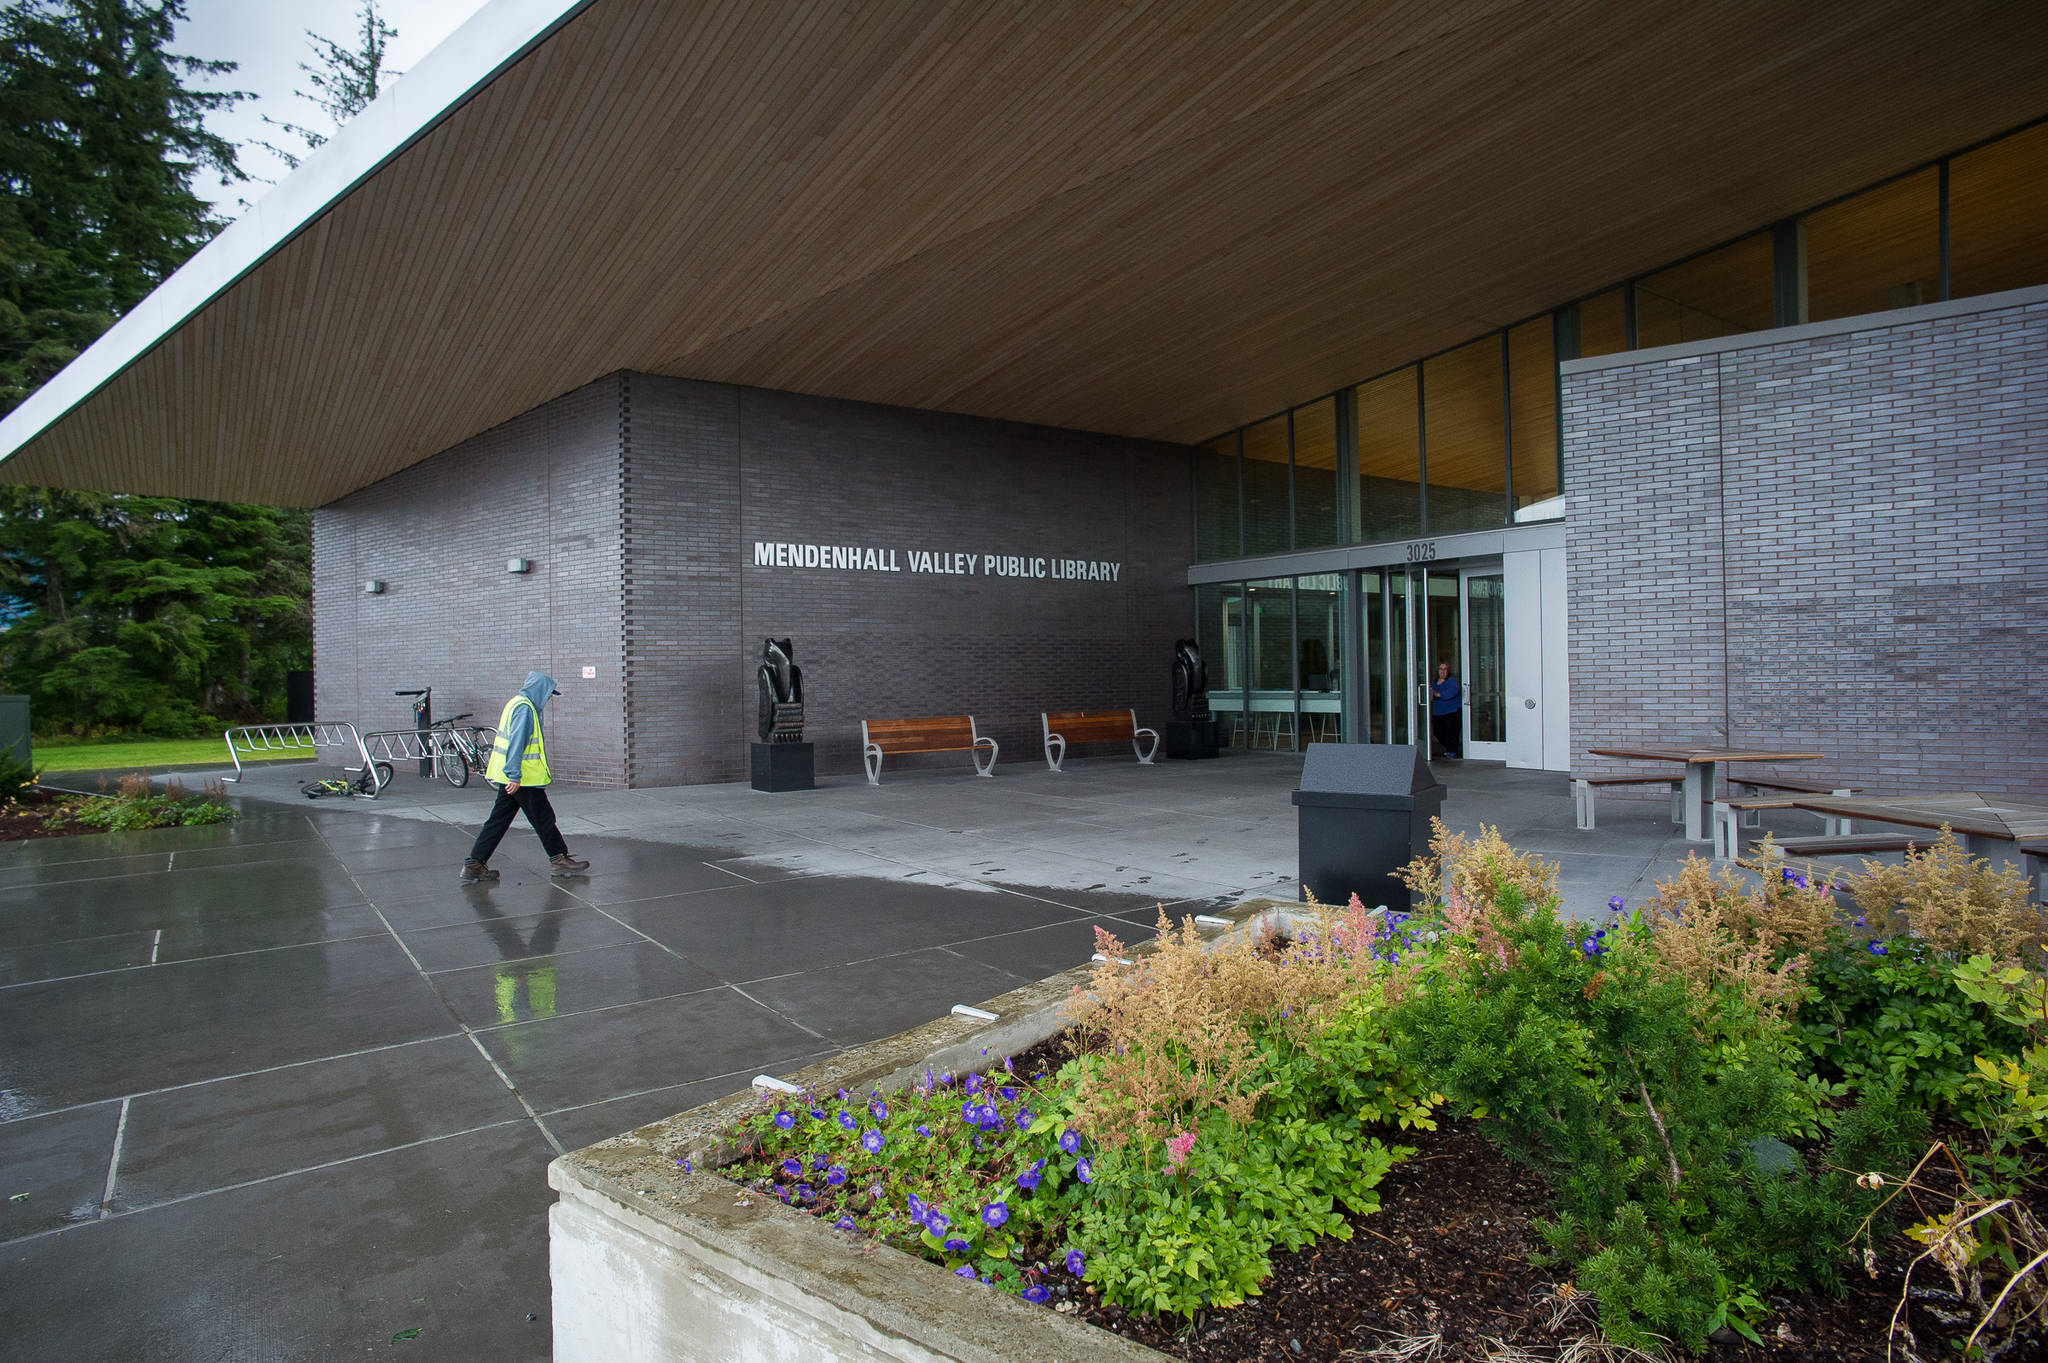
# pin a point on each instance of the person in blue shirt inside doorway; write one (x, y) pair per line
(1446, 704)
(519, 769)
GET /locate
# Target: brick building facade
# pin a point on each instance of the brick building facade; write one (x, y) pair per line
(1827, 537)
(640, 500)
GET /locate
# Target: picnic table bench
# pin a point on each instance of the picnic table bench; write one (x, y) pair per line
(1064, 727)
(1585, 788)
(931, 733)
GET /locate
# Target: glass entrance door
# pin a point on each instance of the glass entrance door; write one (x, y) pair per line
(1416, 619)
(1483, 598)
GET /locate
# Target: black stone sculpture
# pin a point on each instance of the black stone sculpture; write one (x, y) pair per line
(1193, 731)
(1190, 681)
(781, 684)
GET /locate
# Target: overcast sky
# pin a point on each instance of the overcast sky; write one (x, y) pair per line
(267, 40)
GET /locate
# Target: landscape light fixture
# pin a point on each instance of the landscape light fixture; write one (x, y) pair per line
(374, 587)
(518, 565)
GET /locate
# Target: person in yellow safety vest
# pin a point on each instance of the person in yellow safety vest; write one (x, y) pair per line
(519, 769)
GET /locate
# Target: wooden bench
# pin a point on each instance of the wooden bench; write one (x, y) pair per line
(1727, 832)
(1756, 783)
(1064, 727)
(937, 733)
(1584, 788)
(1855, 842)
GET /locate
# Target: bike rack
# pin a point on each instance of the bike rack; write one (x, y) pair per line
(306, 738)
(418, 745)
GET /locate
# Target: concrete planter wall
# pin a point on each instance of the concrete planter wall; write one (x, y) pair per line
(655, 1265)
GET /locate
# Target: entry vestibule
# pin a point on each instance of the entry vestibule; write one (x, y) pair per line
(1351, 655)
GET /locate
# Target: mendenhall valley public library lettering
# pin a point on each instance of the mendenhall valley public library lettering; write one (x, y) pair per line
(845, 558)
(1350, 345)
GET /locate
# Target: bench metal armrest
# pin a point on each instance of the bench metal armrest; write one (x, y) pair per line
(1055, 744)
(1144, 754)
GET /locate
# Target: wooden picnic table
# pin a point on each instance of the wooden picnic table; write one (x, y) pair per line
(1973, 815)
(1702, 766)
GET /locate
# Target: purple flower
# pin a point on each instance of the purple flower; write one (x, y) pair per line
(792, 1167)
(835, 1176)
(1008, 1094)
(846, 1121)
(871, 1141)
(970, 1112)
(1877, 949)
(994, 1214)
(684, 1165)
(916, 1208)
(1075, 1263)
(964, 1271)
(1029, 1178)
(1035, 1293)
(1024, 1118)
(1008, 1068)
(1617, 903)
(785, 1120)
(818, 1162)
(974, 1083)
(923, 1130)
(1070, 1140)
(804, 1193)
(1083, 1170)
(936, 1221)
(955, 1245)
(878, 1109)
(1859, 920)
(817, 1114)
(875, 1191)
(844, 1223)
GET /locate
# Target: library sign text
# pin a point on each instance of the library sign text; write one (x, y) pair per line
(857, 558)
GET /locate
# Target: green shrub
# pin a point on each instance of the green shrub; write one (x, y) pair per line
(1647, 1086)
(17, 779)
(134, 805)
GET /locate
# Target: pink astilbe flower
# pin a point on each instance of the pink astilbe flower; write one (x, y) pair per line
(1177, 1148)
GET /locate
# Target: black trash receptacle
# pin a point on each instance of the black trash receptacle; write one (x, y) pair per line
(1364, 813)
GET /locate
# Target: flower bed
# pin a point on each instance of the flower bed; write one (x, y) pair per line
(1722, 1091)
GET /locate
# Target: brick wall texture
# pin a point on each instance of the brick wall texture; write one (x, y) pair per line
(640, 500)
(1831, 545)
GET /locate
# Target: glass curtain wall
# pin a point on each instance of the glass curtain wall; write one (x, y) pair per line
(1319, 627)
(1998, 215)
(1216, 498)
(1219, 630)
(1267, 500)
(1464, 438)
(1389, 459)
(1487, 432)
(1315, 475)
(1536, 471)
(1269, 611)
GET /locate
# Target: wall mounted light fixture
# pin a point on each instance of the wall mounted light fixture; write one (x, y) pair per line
(518, 565)
(374, 587)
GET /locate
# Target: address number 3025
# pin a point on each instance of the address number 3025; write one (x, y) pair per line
(1422, 551)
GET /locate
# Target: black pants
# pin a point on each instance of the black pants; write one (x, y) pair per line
(534, 801)
(1446, 728)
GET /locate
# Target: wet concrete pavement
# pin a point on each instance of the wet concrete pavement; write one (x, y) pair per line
(285, 1090)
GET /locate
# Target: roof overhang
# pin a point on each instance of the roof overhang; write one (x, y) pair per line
(1160, 218)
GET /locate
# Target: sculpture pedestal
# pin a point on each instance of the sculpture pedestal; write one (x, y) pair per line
(782, 766)
(1188, 738)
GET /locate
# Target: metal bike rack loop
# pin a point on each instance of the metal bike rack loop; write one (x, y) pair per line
(305, 739)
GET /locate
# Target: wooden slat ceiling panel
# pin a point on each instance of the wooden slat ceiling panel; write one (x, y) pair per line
(1159, 218)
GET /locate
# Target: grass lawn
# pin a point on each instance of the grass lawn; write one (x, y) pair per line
(161, 752)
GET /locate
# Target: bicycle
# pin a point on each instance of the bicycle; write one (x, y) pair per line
(456, 751)
(367, 781)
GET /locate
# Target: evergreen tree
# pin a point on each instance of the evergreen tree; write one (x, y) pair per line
(121, 612)
(344, 81)
(99, 141)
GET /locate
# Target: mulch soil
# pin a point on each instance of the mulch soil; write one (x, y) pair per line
(1448, 1255)
(26, 818)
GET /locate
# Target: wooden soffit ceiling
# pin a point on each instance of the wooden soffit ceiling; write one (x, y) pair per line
(1159, 218)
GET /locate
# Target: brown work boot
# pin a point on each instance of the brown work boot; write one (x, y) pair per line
(476, 873)
(566, 865)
